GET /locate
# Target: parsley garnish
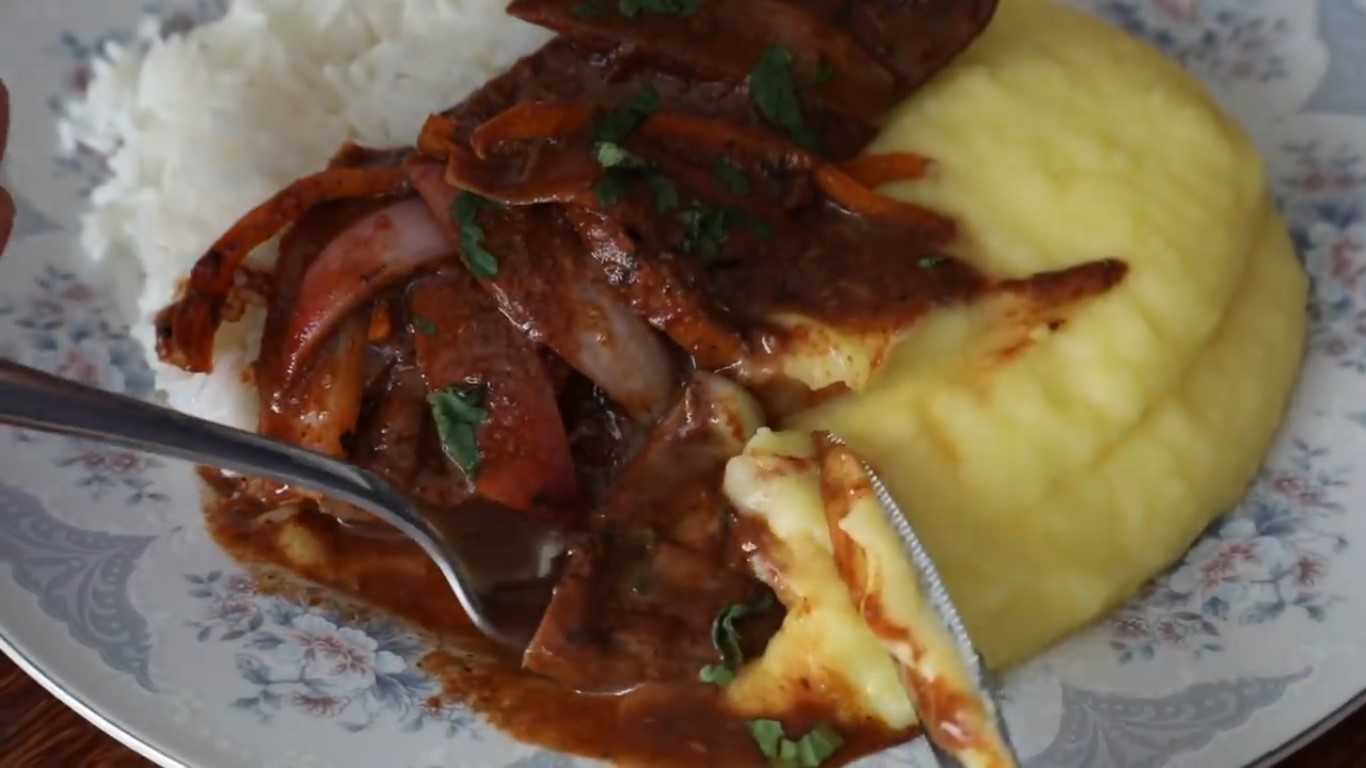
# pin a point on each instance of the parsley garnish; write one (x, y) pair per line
(759, 227)
(616, 184)
(616, 156)
(614, 126)
(459, 411)
(931, 261)
(665, 192)
(727, 639)
(731, 177)
(611, 129)
(807, 752)
(610, 189)
(818, 745)
(773, 88)
(716, 674)
(705, 232)
(723, 633)
(616, 160)
(465, 212)
(424, 326)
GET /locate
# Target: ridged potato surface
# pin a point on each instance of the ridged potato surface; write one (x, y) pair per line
(1053, 463)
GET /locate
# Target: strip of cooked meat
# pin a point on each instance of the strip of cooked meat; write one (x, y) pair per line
(548, 287)
(723, 40)
(376, 252)
(636, 605)
(464, 342)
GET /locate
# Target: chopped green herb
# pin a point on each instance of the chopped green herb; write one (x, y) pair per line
(768, 734)
(617, 182)
(716, 674)
(731, 177)
(610, 189)
(723, 633)
(591, 9)
(823, 74)
(614, 126)
(616, 156)
(611, 129)
(424, 326)
(705, 232)
(810, 751)
(646, 102)
(818, 745)
(465, 212)
(759, 227)
(459, 411)
(773, 88)
(932, 261)
(665, 193)
(727, 639)
(633, 8)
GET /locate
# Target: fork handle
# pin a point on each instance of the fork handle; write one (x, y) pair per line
(36, 400)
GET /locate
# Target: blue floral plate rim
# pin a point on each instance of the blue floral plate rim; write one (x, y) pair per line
(1269, 577)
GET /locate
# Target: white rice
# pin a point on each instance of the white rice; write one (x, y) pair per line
(201, 127)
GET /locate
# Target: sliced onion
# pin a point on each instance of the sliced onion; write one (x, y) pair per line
(186, 329)
(548, 285)
(372, 255)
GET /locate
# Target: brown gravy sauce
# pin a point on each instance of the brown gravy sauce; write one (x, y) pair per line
(670, 725)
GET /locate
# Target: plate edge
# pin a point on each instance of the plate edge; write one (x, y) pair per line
(109, 725)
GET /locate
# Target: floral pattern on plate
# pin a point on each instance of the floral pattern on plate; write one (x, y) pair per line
(1224, 43)
(1268, 560)
(67, 327)
(1262, 605)
(313, 660)
(1325, 198)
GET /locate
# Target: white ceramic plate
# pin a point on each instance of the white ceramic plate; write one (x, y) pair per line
(113, 596)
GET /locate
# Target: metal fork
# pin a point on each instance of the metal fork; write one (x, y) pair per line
(500, 563)
(984, 686)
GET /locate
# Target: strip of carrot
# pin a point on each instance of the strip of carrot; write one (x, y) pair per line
(532, 120)
(849, 194)
(437, 138)
(566, 120)
(873, 171)
(554, 175)
(186, 329)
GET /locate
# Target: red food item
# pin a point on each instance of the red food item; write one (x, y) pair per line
(6, 202)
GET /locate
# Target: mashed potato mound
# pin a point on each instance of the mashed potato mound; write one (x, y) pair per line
(1051, 466)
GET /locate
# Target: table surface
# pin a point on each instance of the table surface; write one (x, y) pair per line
(37, 731)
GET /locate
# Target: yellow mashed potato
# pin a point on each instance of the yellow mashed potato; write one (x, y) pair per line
(1050, 471)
